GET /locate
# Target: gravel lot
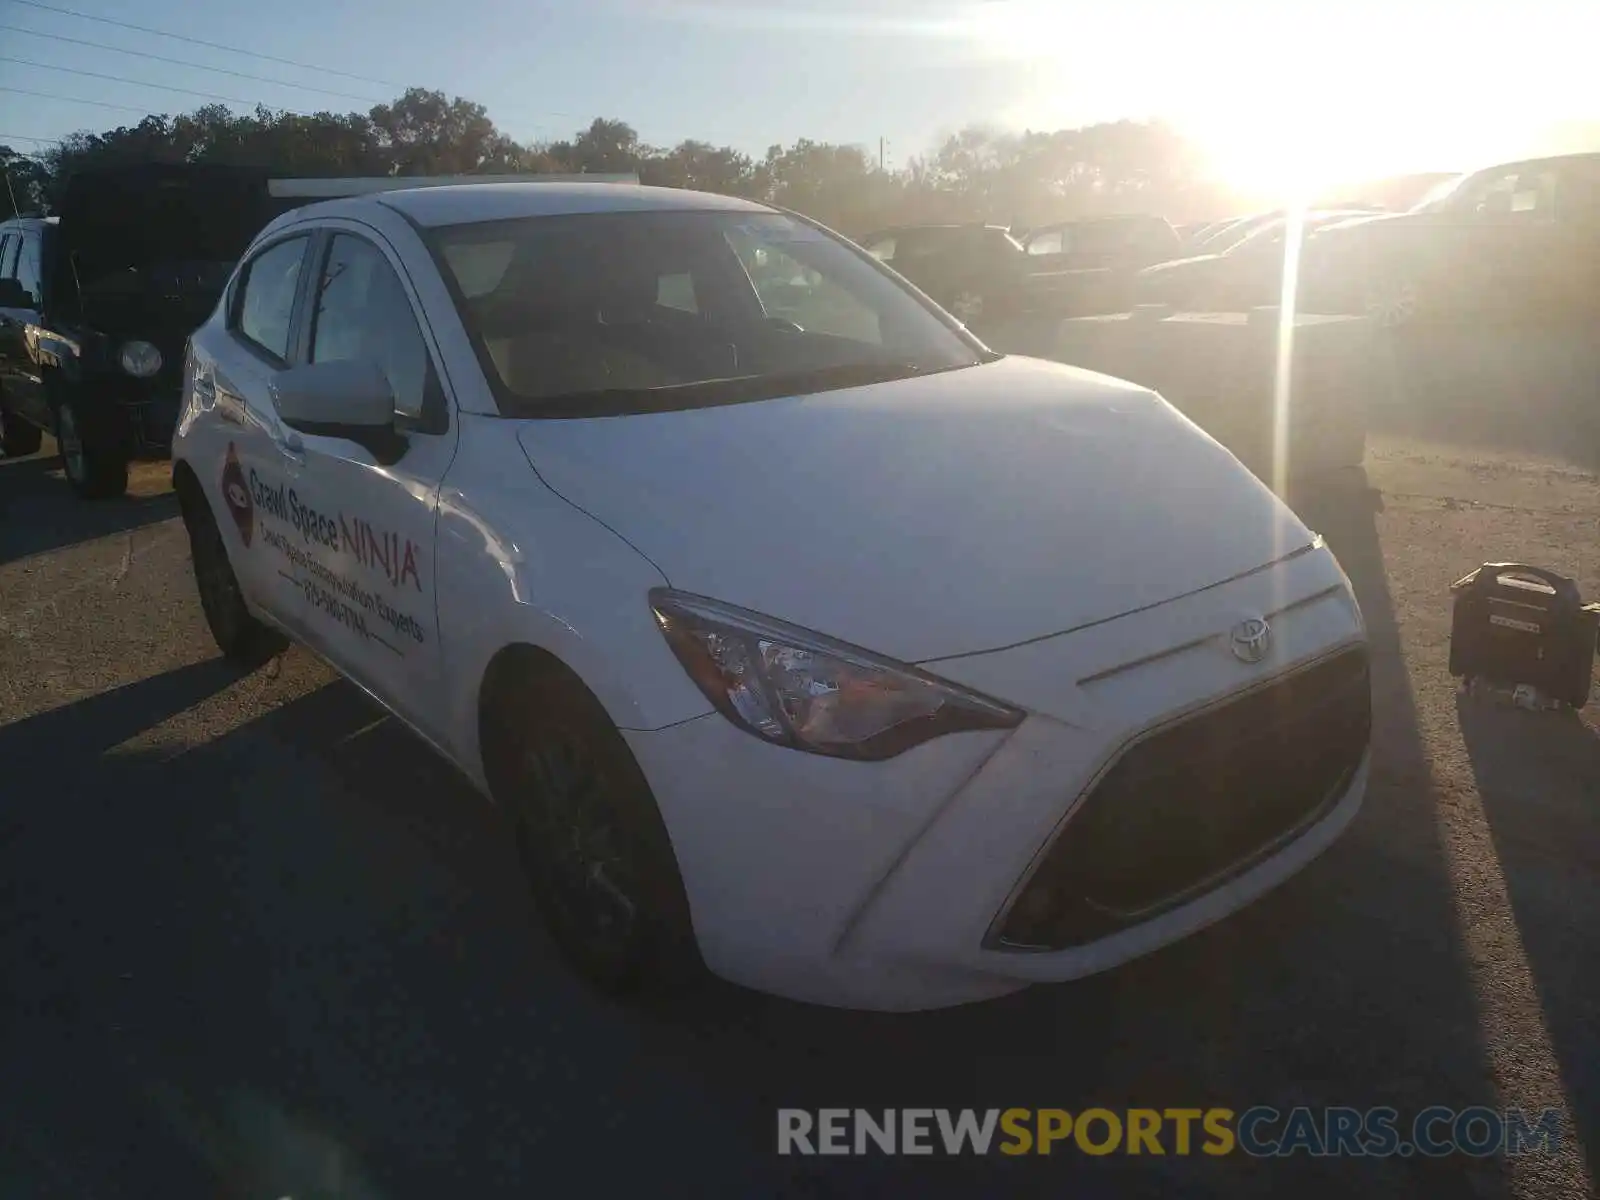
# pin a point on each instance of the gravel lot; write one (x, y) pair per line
(256, 941)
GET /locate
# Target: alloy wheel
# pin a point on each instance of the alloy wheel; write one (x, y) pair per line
(1392, 302)
(591, 882)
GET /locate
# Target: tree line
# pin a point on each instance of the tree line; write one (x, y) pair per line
(977, 174)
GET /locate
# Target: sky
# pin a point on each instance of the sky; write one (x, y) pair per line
(1283, 94)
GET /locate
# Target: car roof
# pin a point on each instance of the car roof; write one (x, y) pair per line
(470, 203)
(1589, 156)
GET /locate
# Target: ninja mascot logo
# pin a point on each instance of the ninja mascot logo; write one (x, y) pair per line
(237, 494)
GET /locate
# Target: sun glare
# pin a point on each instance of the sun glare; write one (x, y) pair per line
(1293, 99)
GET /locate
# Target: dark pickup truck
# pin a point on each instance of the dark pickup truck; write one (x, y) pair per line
(981, 274)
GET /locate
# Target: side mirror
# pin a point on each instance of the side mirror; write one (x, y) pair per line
(349, 399)
(14, 295)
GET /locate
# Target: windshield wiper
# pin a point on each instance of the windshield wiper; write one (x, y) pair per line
(734, 389)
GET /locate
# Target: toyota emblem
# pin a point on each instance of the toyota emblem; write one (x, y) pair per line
(1251, 639)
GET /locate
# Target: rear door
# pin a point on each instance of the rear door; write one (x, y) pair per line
(1487, 252)
(11, 347)
(267, 532)
(1575, 260)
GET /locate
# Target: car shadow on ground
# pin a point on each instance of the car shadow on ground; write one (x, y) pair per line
(1538, 775)
(299, 959)
(33, 520)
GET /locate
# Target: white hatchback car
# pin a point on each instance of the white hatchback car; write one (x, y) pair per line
(799, 633)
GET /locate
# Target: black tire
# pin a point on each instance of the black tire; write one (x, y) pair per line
(18, 438)
(95, 469)
(242, 639)
(596, 854)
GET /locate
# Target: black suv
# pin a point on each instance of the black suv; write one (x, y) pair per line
(97, 303)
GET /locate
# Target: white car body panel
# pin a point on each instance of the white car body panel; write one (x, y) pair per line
(928, 517)
(1065, 543)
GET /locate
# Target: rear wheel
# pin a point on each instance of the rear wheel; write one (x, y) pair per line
(241, 638)
(18, 438)
(1391, 298)
(595, 851)
(95, 470)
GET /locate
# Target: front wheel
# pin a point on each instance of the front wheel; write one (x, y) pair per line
(95, 470)
(594, 849)
(1391, 299)
(18, 438)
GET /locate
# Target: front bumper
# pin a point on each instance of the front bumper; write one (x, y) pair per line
(145, 421)
(884, 885)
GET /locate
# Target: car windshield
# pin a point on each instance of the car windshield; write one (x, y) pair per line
(610, 313)
(1439, 194)
(170, 277)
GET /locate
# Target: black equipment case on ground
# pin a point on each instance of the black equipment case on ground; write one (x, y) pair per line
(1515, 624)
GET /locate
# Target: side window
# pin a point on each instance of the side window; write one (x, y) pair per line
(29, 272)
(1046, 243)
(266, 296)
(1491, 197)
(361, 311)
(677, 291)
(1534, 196)
(794, 292)
(8, 245)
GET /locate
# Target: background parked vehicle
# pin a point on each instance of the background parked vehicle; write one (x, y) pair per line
(983, 273)
(1115, 242)
(1513, 241)
(98, 303)
(1246, 274)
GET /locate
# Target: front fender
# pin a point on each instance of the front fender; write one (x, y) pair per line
(519, 565)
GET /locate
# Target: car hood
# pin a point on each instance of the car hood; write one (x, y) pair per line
(1373, 221)
(1177, 265)
(927, 517)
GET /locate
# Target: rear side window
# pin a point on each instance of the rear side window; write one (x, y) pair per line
(266, 296)
(29, 272)
(8, 256)
(361, 311)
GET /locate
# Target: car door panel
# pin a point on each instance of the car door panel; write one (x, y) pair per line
(365, 559)
(255, 484)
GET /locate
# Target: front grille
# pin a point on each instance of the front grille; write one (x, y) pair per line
(1194, 803)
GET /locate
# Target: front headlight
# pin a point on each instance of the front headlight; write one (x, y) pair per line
(139, 359)
(795, 688)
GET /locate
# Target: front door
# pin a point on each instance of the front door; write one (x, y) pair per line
(367, 527)
(21, 251)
